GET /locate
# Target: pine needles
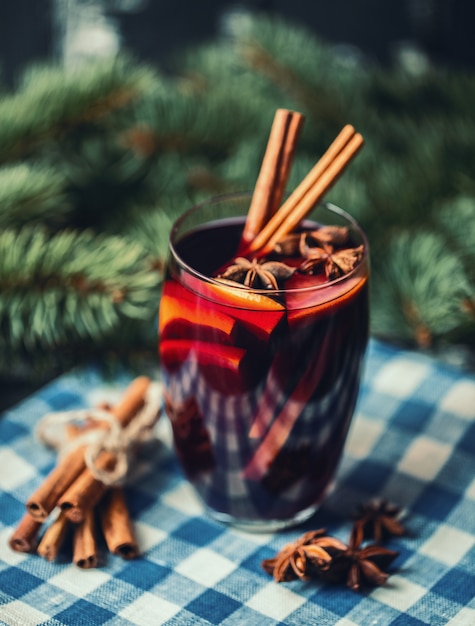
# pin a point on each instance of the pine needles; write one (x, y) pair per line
(54, 289)
(425, 288)
(51, 101)
(31, 194)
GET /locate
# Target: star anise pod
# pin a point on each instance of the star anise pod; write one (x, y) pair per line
(379, 519)
(301, 558)
(359, 567)
(259, 274)
(290, 245)
(316, 555)
(335, 262)
(330, 235)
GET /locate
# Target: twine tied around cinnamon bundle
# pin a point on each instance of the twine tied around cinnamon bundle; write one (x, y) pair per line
(99, 431)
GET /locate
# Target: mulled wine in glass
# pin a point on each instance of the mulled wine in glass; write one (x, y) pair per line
(262, 358)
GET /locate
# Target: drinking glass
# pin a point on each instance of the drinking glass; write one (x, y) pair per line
(260, 384)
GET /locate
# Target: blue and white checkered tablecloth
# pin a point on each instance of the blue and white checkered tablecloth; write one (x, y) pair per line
(412, 442)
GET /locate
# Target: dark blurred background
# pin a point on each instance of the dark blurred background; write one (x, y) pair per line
(441, 30)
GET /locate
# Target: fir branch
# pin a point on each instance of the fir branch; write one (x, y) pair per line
(51, 101)
(277, 53)
(316, 79)
(103, 175)
(72, 284)
(31, 193)
(215, 70)
(151, 228)
(457, 220)
(422, 287)
(193, 117)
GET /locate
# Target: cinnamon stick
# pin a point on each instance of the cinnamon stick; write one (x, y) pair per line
(319, 180)
(53, 538)
(86, 491)
(117, 526)
(46, 497)
(24, 538)
(132, 400)
(274, 172)
(85, 552)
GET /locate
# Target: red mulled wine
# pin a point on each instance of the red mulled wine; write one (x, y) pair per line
(261, 383)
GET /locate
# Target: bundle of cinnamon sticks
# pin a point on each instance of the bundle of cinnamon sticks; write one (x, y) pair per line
(72, 501)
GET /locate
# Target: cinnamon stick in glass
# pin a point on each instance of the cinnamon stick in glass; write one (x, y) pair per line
(53, 538)
(85, 551)
(274, 173)
(24, 538)
(46, 497)
(310, 191)
(117, 525)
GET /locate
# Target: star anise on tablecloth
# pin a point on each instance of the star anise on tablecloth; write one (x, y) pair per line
(301, 558)
(259, 274)
(358, 567)
(379, 519)
(316, 555)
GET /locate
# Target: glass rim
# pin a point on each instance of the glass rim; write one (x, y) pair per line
(268, 292)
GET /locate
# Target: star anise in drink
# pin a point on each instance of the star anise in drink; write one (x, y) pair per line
(358, 567)
(290, 245)
(379, 519)
(322, 249)
(336, 263)
(301, 558)
(259, 274)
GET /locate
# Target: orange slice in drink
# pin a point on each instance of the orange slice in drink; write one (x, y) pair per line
(222, 366)
(183, 319)
(255, 324)
(231, 294)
